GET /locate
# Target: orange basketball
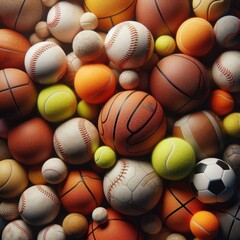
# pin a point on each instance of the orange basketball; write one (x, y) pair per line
(13, 48)
(162, 17)
(95, 83)
(177, 206)
(195, 37)
(117, 227)
(81, 192)
(131, 123)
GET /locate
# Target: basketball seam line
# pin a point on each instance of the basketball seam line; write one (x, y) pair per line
(234, 218)
(22, 85)
(48, 194)
(22, 230)
(56, 18)
(70, 189)
(18, 15)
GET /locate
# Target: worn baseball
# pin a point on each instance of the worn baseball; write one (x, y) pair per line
(129, 45)
(89, 21)
(100, 215)
(52, 232)
(226, 71)
(39, 205)
(63, 20)
(45, 62)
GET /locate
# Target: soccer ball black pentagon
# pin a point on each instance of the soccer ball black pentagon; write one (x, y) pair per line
(213, 181)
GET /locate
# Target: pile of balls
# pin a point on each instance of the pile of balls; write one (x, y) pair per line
(120, 120)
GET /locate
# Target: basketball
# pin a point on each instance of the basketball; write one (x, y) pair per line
(195, 37)
(178, 205)
(110, 13)
(31, 141)
(13, 48)
(95, 83)
(81, 192)
(131, 123)
(160, 17)
(203, 130)
(188, 84)
(18, 94)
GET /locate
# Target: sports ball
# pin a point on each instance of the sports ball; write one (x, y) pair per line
(226, 71)
(88, 21)
(31, 141)
(54, 170)
(129, 45)
(227, 32)
(100, 215)
(34, 38)
(177, 206)
(110, 13)
(105, 157)
(87, 110)
(95, 83)
(81, 192)
(173, 158)
(51, 232)
(63, 20)
(203, 130)
(45, 62)
(151, 223)
(195, 37)
(35, 174)
(13, 179)
(75, 225)
(175, 236)
(21, 16)
(213, 181)
(41, 29)
(13, 48)
(221, 102)
(4, 151)
(131, 123)
(56, 103)
(132, 187)
(83, 137)
(117, 227)
(9, 209)
(188, 84)
(204, 225)
(129, 79)
(165, 45)
(211, 10)
(49, 3)
(18, 229)
(231, 124)
(39, 205)
(160, 17)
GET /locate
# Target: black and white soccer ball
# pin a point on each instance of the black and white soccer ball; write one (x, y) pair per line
(213, 181)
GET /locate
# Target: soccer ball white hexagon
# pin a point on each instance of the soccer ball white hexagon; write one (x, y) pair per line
(213, 181)
(132, 187)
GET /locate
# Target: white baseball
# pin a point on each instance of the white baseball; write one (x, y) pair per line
(89, 21)
(132, 187)
(100, 215)
(226, 71)
(129, 45)
(54, 170)
(129, 79)
(17, 229)
(9, 209)
(51, 232)
(76, 140)
(38, 205)
(45, 62)
(63, 20)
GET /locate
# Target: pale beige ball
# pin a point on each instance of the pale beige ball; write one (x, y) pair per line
(41, 29)
(129, 79)
(100, 215)
(34, 39)
(89, 21)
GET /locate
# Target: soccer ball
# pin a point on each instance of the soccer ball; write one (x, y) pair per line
(132, 187)
(213, 181)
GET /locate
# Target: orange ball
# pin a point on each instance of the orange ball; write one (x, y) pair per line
(221, 102)
(35, 175)
(95, 83)
(195, 37)
(204, 225)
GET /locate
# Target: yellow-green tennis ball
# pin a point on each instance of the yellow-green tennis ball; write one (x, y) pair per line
(231, 124)
(105, 157)
(56, 103)
(87, 110)
(165, 45)
(173, 158)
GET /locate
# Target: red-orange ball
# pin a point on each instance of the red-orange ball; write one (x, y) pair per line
(221, 102)
(204, 225)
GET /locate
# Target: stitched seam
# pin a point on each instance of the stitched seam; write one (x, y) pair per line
(22, 207)
(59, 146)
(57, 16)
(48, 195)
(149, 43)
(22, 230)
(46, 232)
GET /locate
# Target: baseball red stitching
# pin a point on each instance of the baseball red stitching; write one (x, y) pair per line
(118, 179)
(48, 194)
(225, 72)
(46, 232)
(22, 230)
(149, 44)
(57, 16)
(59, 146)
(22, 207)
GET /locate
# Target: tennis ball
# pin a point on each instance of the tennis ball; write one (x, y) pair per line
(87, 110)
(173, 158)
(56, 103)
(231, 124)
(105, 157)
(165, 45)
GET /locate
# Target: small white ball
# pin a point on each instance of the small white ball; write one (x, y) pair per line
(89, 21)
(129, 79)
(54, 170)
(51, 232)
(100, 215)
(151, 224)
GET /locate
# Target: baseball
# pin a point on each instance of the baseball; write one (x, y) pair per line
(89, 21)
(38, 205)
(129, 79)
(52, 232)
(45, 62)
(100, 215)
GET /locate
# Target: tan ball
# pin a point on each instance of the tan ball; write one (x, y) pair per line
(9, 209)
(34, 39)
(89, 21)
(49, 3)
(129, 79)
(41, 28)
